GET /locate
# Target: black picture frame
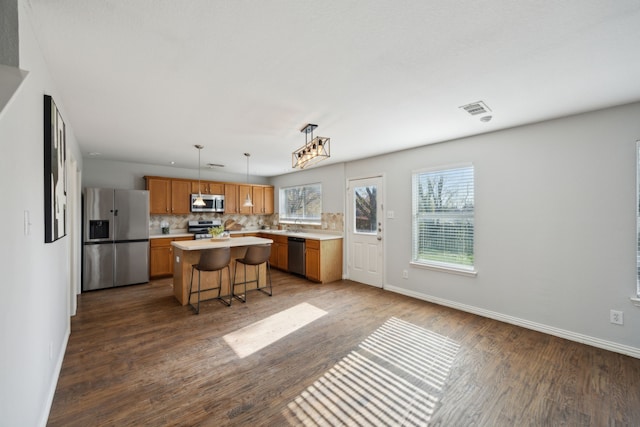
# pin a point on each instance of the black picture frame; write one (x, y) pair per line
(55, 173)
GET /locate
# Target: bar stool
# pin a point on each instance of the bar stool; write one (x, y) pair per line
(255, 255)
(212, 260)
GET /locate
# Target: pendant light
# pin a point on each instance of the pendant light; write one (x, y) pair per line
(247, 202)
(198, 201)
(313, 150)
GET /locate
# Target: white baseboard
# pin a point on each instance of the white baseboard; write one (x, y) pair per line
(562, 333)
(54, 379)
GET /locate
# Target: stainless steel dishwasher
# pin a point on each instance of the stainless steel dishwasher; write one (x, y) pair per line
(296, 255)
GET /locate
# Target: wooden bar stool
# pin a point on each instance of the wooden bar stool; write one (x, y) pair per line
(212, 260)
(256, 255)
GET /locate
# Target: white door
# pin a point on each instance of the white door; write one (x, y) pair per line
(365, 230)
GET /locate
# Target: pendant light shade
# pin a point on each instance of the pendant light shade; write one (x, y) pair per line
(247, 201)
(198, 201)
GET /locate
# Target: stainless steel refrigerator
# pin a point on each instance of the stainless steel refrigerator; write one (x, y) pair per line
(115, 238)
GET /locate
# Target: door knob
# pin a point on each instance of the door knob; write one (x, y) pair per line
(379, 238)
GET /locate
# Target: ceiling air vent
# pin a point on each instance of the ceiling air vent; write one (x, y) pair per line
(476, 108)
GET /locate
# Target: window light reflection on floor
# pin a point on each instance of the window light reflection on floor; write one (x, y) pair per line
(258, 335)
(395, 378)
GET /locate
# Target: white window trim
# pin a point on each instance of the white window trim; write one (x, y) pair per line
(446, 268)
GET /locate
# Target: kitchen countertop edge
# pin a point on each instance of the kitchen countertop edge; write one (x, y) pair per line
(303, 234)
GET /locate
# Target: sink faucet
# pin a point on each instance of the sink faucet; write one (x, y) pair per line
(296, 226)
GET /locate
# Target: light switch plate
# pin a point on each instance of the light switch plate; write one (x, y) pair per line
(391, 214)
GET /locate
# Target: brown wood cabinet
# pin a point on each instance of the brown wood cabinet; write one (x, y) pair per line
(279, 251)
(268, 201)
(323, 260)
(257, 197)
(180, 197)
(168, 196)
(312, 260)
(159, 195)
(231, 199)
(243, 191)
(207, 187)
(262, 200)
(173, 196)
(161, 256)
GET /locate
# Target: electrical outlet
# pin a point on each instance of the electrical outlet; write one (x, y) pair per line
(405, 274)
(616, 317)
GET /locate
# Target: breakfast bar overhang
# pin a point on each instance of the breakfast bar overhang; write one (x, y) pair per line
(187, 253)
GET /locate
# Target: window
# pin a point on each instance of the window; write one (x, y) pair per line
(301, 203)
(443, 218)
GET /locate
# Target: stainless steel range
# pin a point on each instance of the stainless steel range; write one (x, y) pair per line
(200, 228)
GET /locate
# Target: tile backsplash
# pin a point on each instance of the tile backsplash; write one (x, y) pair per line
(329, 221)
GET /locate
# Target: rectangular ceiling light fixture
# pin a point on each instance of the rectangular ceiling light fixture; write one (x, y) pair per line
(312, 151)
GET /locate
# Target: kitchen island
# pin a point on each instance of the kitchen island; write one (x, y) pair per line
(187, 253)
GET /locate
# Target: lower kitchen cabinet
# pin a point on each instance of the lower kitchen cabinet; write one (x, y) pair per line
(279, 251)
(161, 256)
(312, 260)
(323, 260)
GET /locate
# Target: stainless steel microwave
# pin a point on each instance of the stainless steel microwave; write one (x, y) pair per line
(212, 203)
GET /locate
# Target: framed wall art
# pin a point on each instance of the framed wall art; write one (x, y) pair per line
(55, 173)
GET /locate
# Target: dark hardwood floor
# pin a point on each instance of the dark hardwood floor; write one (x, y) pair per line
(137, 358)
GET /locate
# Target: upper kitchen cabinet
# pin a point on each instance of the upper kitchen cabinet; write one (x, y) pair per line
(180, 197)
(231, 199)
(262, 200)
(173, 196)
(268, 201)
(243, 192)
(207, 187)
(258, 199)
(159, 195)
(261, 197)
(168, 196)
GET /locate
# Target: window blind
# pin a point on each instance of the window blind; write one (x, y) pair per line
(443, 217)
(303, 202)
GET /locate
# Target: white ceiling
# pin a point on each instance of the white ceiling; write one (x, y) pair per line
(145, 80)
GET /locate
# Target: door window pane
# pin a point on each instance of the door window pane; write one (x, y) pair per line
(365, 209)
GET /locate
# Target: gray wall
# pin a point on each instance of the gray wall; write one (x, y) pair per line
(35, 286)
(555, 244)
(126, 175)
(9, 37)
(331, 177)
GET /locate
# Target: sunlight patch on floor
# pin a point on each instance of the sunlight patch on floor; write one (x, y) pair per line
(259, 335)
(396, 378)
